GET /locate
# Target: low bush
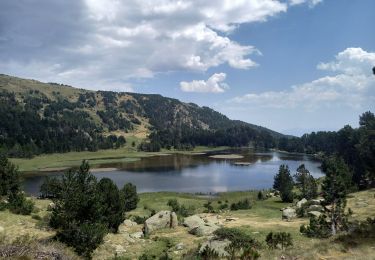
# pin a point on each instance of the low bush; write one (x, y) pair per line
(18, 204)
(279, 239)
(318, 227)
(242, 204)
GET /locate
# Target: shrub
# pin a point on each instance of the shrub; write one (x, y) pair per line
(249, 253)
(223, 206)
(242, 204)
(318, 227)
(180, 210)
(173, 203)
(281, 239)
(241, 243)
(131, 197)
(208, 253)
(84, 238)
(18, 204)
(208, 206)
(261, 195)
(139, 220)
(50, 188)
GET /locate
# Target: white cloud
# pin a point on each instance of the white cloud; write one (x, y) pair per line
(353, 86)
(311, 3)
(214, 84)
(112, 39)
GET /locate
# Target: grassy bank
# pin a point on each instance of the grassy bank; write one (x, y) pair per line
(60, 161)
(263, 217)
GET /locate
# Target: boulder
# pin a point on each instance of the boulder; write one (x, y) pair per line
(216, 245)
(316, 202)
(180, 246)
(204, 230)
(193, 222)
(51, 206)
(137, 235)
(162, 219)
(316, 214)
(301, 202)
(289, 214)
(129, 223)
(315, 208)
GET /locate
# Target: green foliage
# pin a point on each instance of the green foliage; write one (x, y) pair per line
(50, 188)
(241, 243)
(9, 177)
(281, 239)
(83, 237)
(260, 195)
(131, 198)
(249, 253)
(306, 183)
(18, 204)
(86, 209)
(209, 254)
(335, 188)
(242, 204)
(209, 207)
(283, 182)
(112, 201)
(180, 210)
(318, 227)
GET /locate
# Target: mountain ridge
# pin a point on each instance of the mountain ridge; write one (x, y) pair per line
(122, 114)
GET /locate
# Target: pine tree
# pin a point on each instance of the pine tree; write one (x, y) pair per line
(306, 183)
(284, 183)
(335, 187)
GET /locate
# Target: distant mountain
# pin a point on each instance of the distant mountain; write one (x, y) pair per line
(38, 117)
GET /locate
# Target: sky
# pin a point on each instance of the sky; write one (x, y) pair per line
(294, 66)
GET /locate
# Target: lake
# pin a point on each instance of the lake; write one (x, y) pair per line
(197, 172)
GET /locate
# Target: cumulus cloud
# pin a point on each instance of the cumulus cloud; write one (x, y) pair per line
(214, 84)
(96, 43)
(353, 86)
(311, 3)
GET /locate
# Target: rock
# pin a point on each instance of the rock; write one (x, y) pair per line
(301, 202)
(119, 249)
(216, 245)
(162, 219)
(316, 214)
(128, 238)
(289, 214)
(315, 208)
(204, 230)
(2, 229)
(316, 202)
(180, 246)
(193, 222)
(129, 223)
(137, 235)
(51, 206)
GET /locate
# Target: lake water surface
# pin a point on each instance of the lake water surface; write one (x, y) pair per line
(198, 173)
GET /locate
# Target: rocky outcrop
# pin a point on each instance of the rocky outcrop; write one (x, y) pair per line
(289, 214)
(218, 246)
(161, 220)
(193, 222)
(129, 223)
(316, 214)
(301, 202)
(206, 229)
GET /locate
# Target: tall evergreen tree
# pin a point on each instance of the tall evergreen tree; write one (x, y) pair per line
(283, 182)
(335, 187)
(131, 198)
(306, 183)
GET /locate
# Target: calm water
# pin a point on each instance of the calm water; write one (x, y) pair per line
(198, 173)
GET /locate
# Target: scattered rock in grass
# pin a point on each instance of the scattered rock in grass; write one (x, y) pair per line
(129, 223)
(316, 214)
(137, 235)
(193, 221)
(289, 214)
(301, 202)
(204, 230)
(162, 219)
(51, 206)
(315, 208)
(216, 245)
(180, 246)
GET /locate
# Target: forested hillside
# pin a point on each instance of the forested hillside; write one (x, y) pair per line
(41, 117)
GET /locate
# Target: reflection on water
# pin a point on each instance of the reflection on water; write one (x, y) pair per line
(198, 173)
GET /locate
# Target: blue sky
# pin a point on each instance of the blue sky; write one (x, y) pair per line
(294, 65)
